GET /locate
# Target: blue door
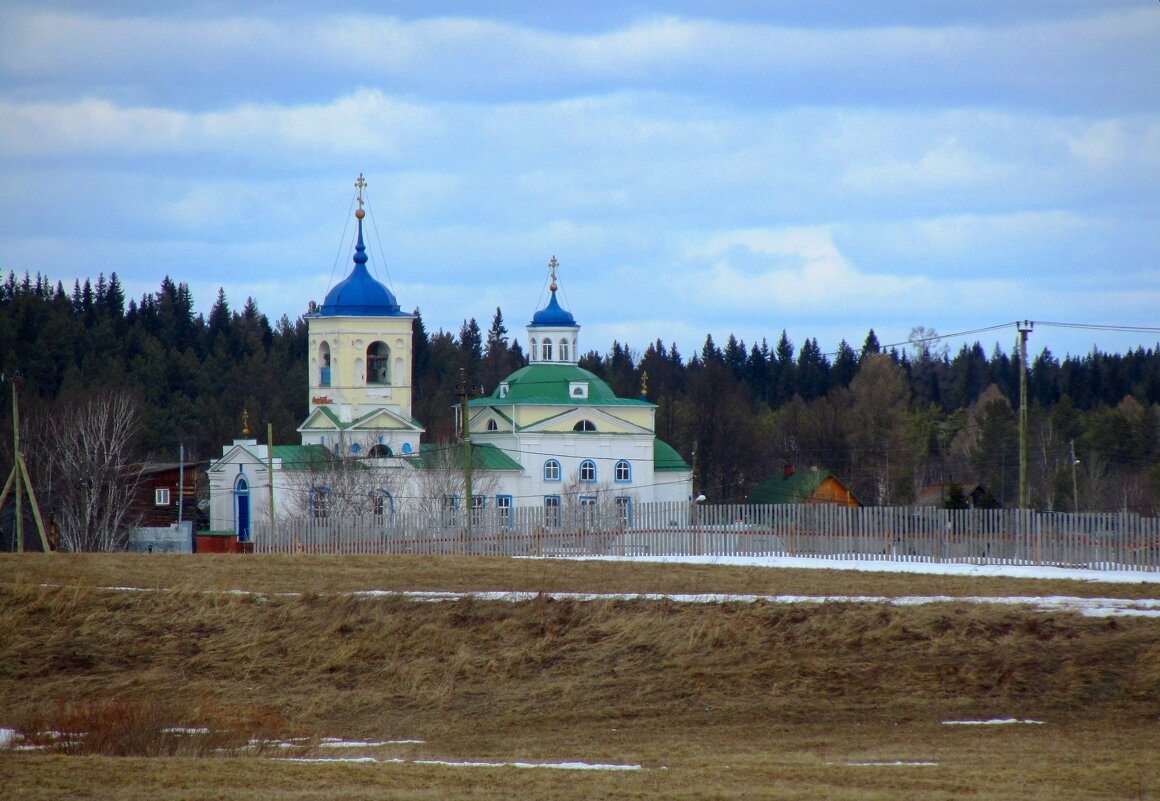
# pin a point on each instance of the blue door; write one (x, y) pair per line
(242, 490)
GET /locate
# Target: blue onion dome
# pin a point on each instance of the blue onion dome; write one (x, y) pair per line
(359, 294)
(553, 314)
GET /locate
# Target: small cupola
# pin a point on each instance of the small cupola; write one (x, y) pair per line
(552, 332)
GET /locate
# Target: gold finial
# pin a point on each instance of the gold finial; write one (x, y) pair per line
(553, 264)
(246, 423)
(360, 184)
(644, 383)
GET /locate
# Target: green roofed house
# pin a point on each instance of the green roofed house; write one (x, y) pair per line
(806, 486)
(551, 434)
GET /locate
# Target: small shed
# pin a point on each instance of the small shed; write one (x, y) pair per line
(804, 486)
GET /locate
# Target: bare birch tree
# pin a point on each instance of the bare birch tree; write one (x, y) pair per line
(85, 455)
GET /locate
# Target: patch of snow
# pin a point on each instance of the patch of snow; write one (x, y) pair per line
(447, 763)
(993, 722)
(885, 566)
(335, 742)
(8, 738)
(1090, 607)
(888, 764)
(185, 730)
(551, 765)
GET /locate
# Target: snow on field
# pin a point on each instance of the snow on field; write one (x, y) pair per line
(883, 566)
(446, 763)
(1089, 607)
(993, 722)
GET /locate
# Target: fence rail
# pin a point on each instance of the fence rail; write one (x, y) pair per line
(1109, 541)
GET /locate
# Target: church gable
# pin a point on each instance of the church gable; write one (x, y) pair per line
(385, 420)
(586, 420)
(321, 419)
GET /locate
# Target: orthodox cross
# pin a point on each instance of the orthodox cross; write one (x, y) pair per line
(553, 264)
(360, 184)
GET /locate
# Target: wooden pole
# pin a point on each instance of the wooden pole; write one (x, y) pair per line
(1024, 329)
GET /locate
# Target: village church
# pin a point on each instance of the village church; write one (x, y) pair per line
(550, 435)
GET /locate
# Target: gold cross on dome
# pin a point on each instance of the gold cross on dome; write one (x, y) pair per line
(360, 184)
(553, 264)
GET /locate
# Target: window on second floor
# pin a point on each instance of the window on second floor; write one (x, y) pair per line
(623, 471)
(551, 470)
(588, 470)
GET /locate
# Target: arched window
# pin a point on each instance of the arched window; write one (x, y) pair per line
(532, 348)
(623, 471)
(382, 503)
(378, 363)
(492, 425)
(355, 448)
(588, 470)
(551, 470)
(546, 350)
(324, 364)
(563, 350)
(584, 425)
(319, 503)
(379, 451)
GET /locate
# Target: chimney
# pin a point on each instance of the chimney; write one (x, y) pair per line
(787, 470)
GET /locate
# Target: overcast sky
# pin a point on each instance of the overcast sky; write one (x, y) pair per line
(825, 168)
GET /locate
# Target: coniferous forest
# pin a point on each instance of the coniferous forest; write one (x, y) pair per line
(885, 421)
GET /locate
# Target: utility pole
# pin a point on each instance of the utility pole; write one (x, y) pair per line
(18, 479)
(270, 472)
(466, 448)
(1024, 329)
(1074, 483)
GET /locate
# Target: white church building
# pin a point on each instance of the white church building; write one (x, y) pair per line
(551, 435)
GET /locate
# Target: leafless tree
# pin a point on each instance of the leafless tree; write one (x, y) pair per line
(83, 452)
(440, 485)
(343, 483)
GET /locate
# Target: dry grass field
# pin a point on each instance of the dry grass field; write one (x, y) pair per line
(185, 690)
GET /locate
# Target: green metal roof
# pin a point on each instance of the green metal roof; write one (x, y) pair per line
(450, 457)
(665, 458)
(551, 384)
(795, 489)
(303, 457)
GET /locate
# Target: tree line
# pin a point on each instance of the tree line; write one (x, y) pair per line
(887, 421)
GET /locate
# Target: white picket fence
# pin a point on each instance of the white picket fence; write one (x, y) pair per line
(1110, 541)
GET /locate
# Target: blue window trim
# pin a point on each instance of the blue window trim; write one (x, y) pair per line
(587, 500)
(390, 499)
(559, 472)
(616, 472)
(314, 492)
(499, 498)
(588, 462)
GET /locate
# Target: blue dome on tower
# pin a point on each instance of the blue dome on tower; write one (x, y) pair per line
(360, 295)
(553, 314)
